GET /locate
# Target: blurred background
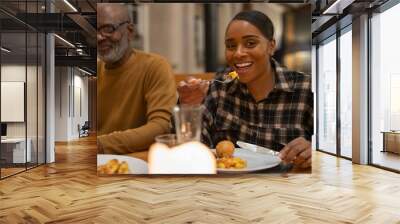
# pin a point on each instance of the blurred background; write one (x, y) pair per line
(191, 36)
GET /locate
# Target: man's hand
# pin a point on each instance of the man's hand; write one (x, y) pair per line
(192, 91)
(297, 152)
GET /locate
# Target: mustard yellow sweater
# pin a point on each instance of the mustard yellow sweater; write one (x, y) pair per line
(134, 103)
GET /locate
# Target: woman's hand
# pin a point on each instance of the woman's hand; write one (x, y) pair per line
(297, 152)
(192, 91)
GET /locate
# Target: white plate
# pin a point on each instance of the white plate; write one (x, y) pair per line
(136, 166)
(255, 161)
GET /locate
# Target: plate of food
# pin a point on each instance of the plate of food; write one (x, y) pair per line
(108, 164)
(238, 160)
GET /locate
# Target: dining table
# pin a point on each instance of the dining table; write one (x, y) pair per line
(281, 168)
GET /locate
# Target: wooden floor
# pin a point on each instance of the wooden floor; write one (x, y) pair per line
(70, 192)
(10, 171)
(5, 172)
(387, 159)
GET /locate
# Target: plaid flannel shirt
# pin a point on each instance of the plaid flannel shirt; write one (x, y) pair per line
(287, 113)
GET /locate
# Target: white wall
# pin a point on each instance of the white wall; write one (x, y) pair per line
(13, 73)
(80, 111)
(33, 127)
(61, 103)
(71, 93)
(10, 73)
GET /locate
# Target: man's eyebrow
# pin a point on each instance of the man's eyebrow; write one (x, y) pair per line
(104, 24)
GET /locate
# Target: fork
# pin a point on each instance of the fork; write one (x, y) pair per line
(219, 81)
(227, 78)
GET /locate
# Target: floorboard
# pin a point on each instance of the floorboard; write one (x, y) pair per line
(69, 191)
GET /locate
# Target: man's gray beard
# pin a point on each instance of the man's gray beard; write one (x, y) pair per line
(117, 52)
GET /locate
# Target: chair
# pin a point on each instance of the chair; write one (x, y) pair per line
(84, 130)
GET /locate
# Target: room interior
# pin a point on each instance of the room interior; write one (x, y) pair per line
(49, 79)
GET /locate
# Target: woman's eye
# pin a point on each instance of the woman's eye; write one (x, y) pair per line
(230, 46)
(251, 43)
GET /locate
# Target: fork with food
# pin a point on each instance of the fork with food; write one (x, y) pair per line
(192, 91)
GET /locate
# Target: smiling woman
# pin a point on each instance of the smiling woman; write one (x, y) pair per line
(268, 105)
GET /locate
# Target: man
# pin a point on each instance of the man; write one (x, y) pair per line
(136, 90)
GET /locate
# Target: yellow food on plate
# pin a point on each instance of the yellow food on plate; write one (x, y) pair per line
(113, 167)
(224, 153)
(234, 162)
(225, 149)
(123, 168)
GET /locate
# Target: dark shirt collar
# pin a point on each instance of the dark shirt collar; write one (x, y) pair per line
(282, 81)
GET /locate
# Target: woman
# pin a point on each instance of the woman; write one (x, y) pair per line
(267, 105)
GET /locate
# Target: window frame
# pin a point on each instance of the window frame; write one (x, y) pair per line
(379, 10)
(334, 37)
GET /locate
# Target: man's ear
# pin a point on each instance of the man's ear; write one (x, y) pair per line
(131, 31)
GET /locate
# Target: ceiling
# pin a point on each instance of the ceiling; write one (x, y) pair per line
(78, 27)
(337, 14)
(32, 17)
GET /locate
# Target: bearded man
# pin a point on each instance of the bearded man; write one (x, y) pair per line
(135, 90)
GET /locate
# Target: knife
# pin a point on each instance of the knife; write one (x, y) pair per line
(256, 148)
